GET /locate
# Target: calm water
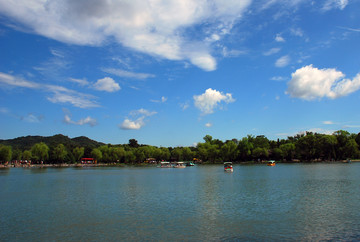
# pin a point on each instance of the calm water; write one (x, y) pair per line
(256, 202)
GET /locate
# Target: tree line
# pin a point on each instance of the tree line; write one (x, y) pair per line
(307, 147)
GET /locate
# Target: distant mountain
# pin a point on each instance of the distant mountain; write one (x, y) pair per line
(26, 142)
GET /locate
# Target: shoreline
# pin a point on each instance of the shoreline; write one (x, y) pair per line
(65, 165)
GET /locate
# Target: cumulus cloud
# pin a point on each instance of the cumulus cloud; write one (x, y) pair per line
(158, 28)
(107, 84)
(138, 119)
(210, 100)
(311, 83)
(328, 122)
(59, 94)
(128, 124)
(282, 61)
(208, 125)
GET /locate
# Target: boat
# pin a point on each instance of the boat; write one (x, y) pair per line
(165, 164)
(179, 164)
(190, 164)
(228, 167)
(271, 163)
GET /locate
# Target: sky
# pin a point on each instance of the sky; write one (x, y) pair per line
(169, 72)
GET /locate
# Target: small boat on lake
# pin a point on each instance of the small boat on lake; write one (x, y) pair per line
(190, 164)
(179, 164)
(271, 163)
(165, 164)
(228, 167)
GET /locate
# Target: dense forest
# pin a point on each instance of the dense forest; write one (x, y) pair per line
(307, 147)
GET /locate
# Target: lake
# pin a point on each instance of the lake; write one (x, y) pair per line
(202, 203)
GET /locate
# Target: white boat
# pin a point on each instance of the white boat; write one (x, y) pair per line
(180, 164)
(165, 164)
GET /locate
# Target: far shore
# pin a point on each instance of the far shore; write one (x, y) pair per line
(79, 165)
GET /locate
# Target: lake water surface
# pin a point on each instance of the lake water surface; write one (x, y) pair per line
(299, 202)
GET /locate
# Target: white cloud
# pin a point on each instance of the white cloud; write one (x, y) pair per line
(136, 124)
(209, 100)
(328, 122)
(282, 61)
(88, 120)
(142, 112)
(60, 94)
(204, 61)
(208, 125)
(272, 51)
(278, 78)
(137, 121)
(278, 38)
(162, 100)
(64, 95)
(81, 82)
(297, 32)
(107, 84)
(184, 106)
(31, 118)
(123, 73)
(351, 29)
(332, 4)
(17, 81)
(310, 83)
(158, 28)
(233, 53)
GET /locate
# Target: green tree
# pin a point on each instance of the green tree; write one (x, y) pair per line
(177, 154)
(60, 152)
(5, 153)
(133, 143)
(229, 151)
(17, 154)
(165, 154)
(245, 148)
(277, 154)
(96, 154)
(328, 143)
(78, 153)
(140, 155)
(40, 151)
(351, 149)
(342, 137)
(117, 154)
(26, 155)
(129, 156)
(187, 153)
(288, 151)
(105, 151)
(260, 153)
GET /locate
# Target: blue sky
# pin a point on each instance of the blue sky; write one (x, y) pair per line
(167, 73)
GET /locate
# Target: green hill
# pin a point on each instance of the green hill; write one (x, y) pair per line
(26, 142)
